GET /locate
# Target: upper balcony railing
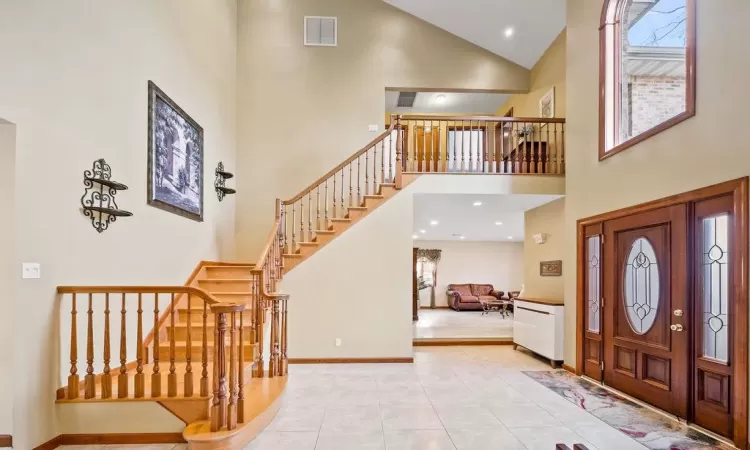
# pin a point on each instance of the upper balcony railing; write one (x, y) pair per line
(481, 144)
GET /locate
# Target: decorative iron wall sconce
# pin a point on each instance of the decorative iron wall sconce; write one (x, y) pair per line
(220, 183)
(98, 201)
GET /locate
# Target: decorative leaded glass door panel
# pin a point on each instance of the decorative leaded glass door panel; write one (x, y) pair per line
(592, 287)
(645, 307)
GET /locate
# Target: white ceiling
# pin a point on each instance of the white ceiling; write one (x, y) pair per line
(457, 215)
(454, 103)
(536, 23)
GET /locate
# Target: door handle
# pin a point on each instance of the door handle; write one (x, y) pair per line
(678, 312)
(676, 327)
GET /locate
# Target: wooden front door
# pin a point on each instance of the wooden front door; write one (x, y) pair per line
(645, 291)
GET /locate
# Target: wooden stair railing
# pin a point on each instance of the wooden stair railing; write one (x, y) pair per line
(228, 370)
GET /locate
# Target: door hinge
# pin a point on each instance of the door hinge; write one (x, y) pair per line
(602, 238)
(602, 303)
(602, 364)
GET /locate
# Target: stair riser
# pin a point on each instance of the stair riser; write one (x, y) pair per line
(196, 317)
(181, 353)
(225, 286)
(228, 272)
(232, 298)
(196, 334)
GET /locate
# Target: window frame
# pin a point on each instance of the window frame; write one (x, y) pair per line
(610, 25)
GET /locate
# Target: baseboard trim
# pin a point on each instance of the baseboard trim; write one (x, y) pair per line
(569, 369)
(6, 441)
(115, 438)
(351, 360)
(460, 342)
(437, 307)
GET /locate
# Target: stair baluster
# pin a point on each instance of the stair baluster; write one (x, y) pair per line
(106, 380)
(382, 163)
(219, 402)
(204, 353)
(561, 164)
(302, 221)
(351, 197)
(343, 210)
(73, 378)
(156, 375)
(139, 384)
(284, 359)
(172, 377)
(241, 380)
(187, 389)
(232, 407)
(294, 235)
(122, 379)
(317, 208)
(326, 205)
(90, 380)
(367, 176)
(309, 218)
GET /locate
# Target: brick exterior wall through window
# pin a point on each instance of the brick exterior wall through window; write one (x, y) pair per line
(653, 100)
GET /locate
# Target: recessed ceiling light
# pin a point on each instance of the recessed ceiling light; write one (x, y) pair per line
(498, 223)
(423, 231)
(510, 237)
(462, 237)
(434, 222)
(506, 134)
(477, 203)
(440, 99)
(415, 236)
(509, 32)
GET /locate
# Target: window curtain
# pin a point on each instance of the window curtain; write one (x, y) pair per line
(433, 256)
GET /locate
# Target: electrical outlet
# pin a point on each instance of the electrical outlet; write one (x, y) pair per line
(337, 342)
(31, 270)
(372, 128)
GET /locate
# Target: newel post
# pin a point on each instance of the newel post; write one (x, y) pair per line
(399, 152)
(223, 409)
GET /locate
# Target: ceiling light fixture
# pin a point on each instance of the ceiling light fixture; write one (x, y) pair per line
(477, 203)
(434, 222)
(509, 32)
(462, 237)
(510, 237)
(423, 231)
(415, 236)
(498, 223)
(440, 99)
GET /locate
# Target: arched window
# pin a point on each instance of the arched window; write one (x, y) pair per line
(647, 70)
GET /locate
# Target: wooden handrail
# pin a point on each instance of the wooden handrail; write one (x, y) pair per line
(331, 172)
(408, 117)
(210, 299)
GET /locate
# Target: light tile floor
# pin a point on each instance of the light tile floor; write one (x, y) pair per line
(451, 398)
(447, 323)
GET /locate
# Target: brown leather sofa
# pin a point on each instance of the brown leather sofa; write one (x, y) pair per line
(467, 297)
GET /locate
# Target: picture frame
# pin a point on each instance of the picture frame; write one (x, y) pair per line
(547, 104)
(550, 268)
(175, 157)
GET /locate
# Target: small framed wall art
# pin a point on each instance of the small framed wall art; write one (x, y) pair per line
(550, 268)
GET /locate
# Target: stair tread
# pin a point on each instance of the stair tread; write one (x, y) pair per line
(243, 266)
(224, 280)
(308, 244)
(325, 232)
(341, 219)
(358, 208)
(375, 196)
(292, 255)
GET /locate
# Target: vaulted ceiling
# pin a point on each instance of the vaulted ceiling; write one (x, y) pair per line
(534, 23)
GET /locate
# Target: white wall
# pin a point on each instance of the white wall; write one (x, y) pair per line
(547, 219)
(497, 263)
(74, 81)
(366, 297)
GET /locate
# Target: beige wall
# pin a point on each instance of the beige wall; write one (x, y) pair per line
(302, 110)
(497, 263)
(74, 81)
(550, 220)
(687, 156)
(548, 72)
(8, 273)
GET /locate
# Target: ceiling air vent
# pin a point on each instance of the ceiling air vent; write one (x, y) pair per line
(406, 99)
(321, 31)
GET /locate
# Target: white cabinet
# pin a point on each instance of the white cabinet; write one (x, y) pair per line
(538, 326)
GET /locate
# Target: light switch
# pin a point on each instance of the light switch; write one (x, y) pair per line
(31, 270)
(372, 127)
(338, 342)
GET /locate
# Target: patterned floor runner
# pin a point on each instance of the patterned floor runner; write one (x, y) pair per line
(648, 427)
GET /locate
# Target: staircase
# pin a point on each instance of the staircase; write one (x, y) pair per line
(204, 358)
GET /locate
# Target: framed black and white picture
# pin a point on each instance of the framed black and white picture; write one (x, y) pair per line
(175, 157)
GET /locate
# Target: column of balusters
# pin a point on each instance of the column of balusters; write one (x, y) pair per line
(188, 379)
(106, 380)
(139, 384)
(90, 379)
(172, 377)
(122, 379)
(73, 378)
(219, 401)
(562, 148)
(241, 368)
(204, 353)
(156, 375)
